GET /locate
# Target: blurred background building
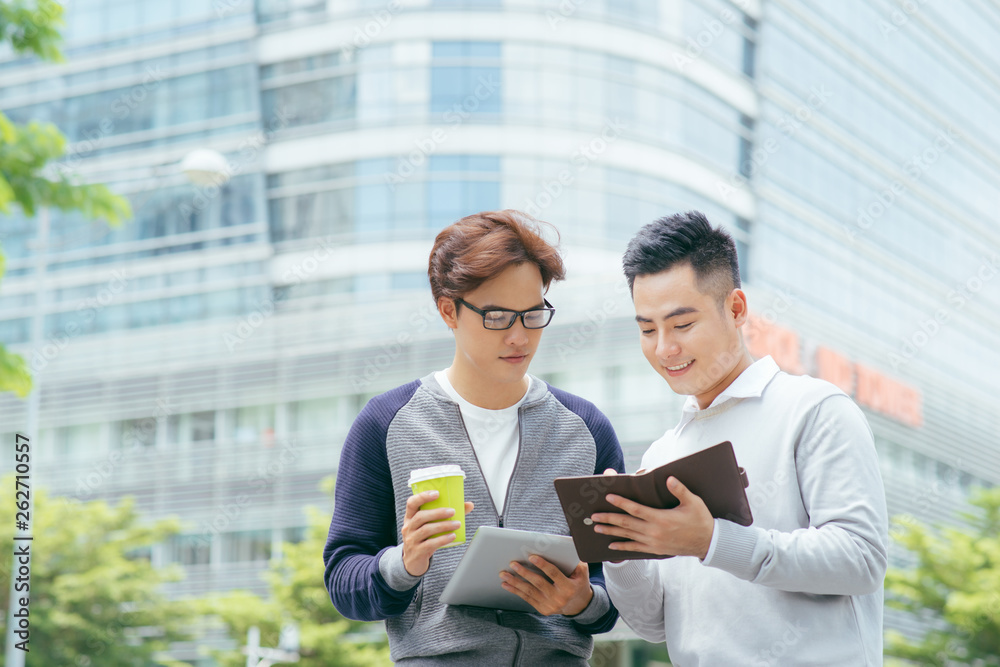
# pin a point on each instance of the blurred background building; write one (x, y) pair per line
(208, 357)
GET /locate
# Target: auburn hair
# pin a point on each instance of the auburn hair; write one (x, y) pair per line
(478, 247)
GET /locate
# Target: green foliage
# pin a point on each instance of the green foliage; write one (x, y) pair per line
(29, 152)
(297, 595)
(93, 602)
(956, 581)
(25, 153)
(14, 374)
(32, 27)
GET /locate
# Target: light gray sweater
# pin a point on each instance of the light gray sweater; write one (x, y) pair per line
(803, 584)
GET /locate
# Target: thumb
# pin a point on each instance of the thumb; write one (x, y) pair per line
(681, 492)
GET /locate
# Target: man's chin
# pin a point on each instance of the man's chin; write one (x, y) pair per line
(682, 387)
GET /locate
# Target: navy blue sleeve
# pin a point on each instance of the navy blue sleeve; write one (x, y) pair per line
(609, 455)
(364, 516)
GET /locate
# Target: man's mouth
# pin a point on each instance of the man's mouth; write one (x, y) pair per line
(680, 368)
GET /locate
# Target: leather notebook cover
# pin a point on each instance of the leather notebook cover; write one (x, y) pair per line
(711, 474)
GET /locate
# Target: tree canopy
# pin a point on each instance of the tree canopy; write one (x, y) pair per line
(29, 155)
(955, 585)
(96, 599)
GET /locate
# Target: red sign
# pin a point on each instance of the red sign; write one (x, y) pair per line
(869, 387)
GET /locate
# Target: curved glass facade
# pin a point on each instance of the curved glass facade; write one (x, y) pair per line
(849, 147)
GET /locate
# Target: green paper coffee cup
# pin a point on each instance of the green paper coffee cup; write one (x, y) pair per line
(449, 482)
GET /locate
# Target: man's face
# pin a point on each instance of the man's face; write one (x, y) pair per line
(502, 356)
(684, 335)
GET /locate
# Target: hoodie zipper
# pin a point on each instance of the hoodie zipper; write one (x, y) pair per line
(513, 472)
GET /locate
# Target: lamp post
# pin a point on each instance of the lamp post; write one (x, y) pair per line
(287, 651)
(202, 167)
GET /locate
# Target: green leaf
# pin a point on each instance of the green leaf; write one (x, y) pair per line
(14, 375)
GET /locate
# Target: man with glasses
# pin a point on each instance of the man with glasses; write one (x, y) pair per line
(511, 433)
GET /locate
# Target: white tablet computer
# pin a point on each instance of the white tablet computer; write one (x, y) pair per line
(476, 581)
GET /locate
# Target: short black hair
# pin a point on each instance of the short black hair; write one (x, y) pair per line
(685, 237)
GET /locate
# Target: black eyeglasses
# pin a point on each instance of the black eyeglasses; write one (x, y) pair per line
(499, 319)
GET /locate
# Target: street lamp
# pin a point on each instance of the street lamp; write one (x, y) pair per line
(204, 166)
(287, 651)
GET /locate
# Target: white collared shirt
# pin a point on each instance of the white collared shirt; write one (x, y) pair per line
(806, 576)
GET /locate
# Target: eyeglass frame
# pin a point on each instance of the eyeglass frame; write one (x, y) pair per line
(517, 313)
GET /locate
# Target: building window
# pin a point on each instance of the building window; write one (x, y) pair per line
(466, 79)
(382, 198)
(247, 545)
(269, 11)
(189, 549)
(254, 424)
(308, 91)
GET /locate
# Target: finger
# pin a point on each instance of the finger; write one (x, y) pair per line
(414, 502)
(582, 571)
(430, 516)
(469, 506)
(550, 570)
(435, 543)
(430, 529)
(610, 471)
(534, 578)
(516, 585)
(615, 531)
(683, 495)
(633, 508)
(630, 545)
(619, 519)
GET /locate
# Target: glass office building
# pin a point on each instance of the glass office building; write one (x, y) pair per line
(220, 344)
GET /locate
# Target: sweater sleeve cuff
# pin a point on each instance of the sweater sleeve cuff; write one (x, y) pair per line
(711, 545)
(627, 574)
(733, 549)
(391, 567)
(598, 607)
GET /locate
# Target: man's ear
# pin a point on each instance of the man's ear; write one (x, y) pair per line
(446, 307)
(737, 307)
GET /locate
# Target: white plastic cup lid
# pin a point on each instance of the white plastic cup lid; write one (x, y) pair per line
(424, 474)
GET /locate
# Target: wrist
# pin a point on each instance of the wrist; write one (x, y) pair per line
(414, 569)
(577, 607)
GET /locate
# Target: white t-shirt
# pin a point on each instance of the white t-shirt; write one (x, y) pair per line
(495, 437)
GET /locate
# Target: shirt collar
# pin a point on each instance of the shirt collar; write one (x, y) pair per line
(748, 384)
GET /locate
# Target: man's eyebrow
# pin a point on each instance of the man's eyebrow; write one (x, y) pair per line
(493, 306)
(683, 310)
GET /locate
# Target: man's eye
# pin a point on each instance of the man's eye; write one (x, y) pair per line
(684, 326)
(646, 332)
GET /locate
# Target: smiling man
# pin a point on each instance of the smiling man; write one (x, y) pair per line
(803, 584)
(511, 433)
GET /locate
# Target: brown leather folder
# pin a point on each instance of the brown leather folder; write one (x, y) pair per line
(712, 474)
